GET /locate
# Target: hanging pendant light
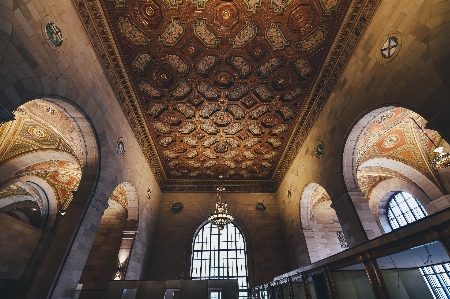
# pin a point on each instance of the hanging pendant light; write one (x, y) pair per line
(443, 159)
(220, 218)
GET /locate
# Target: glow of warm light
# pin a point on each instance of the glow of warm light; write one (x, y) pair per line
(439, 150)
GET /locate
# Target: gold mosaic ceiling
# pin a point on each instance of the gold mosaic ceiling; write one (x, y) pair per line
(395, 135)
(223, 87)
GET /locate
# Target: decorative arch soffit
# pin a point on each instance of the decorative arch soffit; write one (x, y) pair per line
(388, 133)
(49, 140)
(312, 195)
(214, 88)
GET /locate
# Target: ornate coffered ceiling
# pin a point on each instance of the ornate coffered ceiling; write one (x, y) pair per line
(223, 87)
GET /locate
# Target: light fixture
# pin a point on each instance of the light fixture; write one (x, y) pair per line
(443, 159)
(220, 218)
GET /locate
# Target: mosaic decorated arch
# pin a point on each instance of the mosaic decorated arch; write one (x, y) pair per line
(390, 150)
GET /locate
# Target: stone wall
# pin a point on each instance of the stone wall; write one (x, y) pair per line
(170, 255)
(18, 241)
(417, 79)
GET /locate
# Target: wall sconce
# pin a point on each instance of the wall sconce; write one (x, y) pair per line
(289, 193)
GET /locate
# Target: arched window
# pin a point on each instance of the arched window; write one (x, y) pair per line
(403, 209)
(220, 254)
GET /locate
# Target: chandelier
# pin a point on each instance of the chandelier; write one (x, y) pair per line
(443, 159)
(220, 218)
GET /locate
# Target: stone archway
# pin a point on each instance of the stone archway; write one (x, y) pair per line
(321, 226)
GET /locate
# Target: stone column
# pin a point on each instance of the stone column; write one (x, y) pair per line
(64, 261)
(375, 278)
(306, 284)
(331, 283)
(350, 219)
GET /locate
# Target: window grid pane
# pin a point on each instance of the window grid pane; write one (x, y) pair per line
(403, 209)
(220, 255)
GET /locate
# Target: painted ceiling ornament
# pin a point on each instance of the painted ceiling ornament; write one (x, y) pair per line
(150, 90)
(173, 4)
(391, 141)
(121, 3)
(245, 35)
(390, 46)
(226, 15)
(142, 62)
(205, 34)
(132, 32)
(302, 68)
(275, 37)
(54, 34)
(148, 12)
(312, 40)
(319, 151)
(252, 5)
(207, 64)
(384, 118)
(201, 4)
(279, 5)
(121, 147)
(177, 63)
(329, 5)
(176, 207)
(38, 133)
(173, 33)
(241, 66)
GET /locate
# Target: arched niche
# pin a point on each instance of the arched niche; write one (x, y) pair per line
(321, 226)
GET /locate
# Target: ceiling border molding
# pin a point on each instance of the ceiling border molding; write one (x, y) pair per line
(354, 24)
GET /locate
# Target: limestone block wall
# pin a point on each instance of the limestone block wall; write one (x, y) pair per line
(323, 240)
(18, 241)
(102, 259)
(30, 68)
(170, 254)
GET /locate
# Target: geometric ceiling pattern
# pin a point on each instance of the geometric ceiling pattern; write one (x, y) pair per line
(396, 135)
(63, 176)
(222, 88)
(120, 196)
(38, 125)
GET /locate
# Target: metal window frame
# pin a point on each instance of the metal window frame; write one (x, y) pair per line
(205, 235)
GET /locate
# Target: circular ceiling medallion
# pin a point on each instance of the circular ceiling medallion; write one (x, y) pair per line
(54, 34)
(222, 119)
(149, 13)
(319, 152)
(176, 207)
(391, 141)
(390, 47)
(260, 207)
(223, 79)
(226, 15)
